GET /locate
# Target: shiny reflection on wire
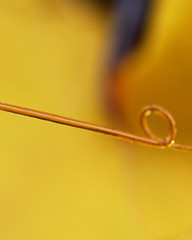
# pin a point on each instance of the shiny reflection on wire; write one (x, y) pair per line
(150, 140)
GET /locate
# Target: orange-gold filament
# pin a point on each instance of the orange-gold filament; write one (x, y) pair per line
(150, 140)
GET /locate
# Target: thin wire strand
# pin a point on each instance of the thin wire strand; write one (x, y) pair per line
(150, 140)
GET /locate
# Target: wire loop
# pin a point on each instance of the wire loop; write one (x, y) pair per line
(150, 140)
(146, 112)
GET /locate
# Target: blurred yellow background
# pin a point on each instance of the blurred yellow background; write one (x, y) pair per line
(63, 183)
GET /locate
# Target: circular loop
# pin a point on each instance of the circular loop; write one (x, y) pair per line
(146, 112)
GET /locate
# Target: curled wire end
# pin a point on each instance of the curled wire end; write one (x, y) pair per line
(150, 140)
(169, 142)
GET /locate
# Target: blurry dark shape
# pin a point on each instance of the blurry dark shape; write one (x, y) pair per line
(129, 22)
(130, 16)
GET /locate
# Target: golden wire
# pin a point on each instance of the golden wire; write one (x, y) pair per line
(150, 140)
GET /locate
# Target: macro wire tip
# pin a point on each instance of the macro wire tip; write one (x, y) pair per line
(150, 140)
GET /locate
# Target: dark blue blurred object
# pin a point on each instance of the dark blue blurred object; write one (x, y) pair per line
(129, 23)
(127, 32)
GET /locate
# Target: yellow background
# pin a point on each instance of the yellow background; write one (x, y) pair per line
(62, 183)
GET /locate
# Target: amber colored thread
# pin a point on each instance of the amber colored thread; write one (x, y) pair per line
(150, 140)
